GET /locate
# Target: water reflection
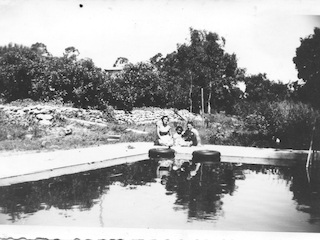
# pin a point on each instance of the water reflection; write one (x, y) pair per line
(200, 188)
(197, 189)
(306, 191)
(81, 190)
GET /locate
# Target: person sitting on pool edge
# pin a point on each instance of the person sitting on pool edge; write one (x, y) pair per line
(192, 135)
(164, 137)
(178, 139)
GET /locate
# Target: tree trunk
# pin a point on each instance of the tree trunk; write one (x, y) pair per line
(202, 102)
(209, 98)
(190, 92)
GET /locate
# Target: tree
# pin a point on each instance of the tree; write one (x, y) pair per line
(177, 88)
(121, 61)
(71, 53)
(16, 69)
(40, 49)
(202, 64)
(137, 85)
(307, 61)
(260, 88)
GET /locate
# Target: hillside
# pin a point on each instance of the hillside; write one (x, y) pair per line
(34, 126)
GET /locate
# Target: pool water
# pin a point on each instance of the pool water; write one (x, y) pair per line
(223, 196)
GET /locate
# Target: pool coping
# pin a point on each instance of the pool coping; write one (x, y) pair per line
(61, 232)
(32, 166)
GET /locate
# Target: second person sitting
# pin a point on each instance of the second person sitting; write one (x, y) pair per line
(178, 139)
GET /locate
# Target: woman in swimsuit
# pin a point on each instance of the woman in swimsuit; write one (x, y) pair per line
(164, 132)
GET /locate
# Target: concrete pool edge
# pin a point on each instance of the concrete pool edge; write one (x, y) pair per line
(18, 168)
(60, 232)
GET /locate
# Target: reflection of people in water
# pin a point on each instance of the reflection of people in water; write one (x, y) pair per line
(199, 186)
(163, 170)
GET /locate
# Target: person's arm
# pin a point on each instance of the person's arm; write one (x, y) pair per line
(184, 134)
(194, 172)
(196, 133)
(158, 129)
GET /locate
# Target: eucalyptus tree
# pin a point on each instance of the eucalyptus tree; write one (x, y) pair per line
(203, 64)
(177, 88)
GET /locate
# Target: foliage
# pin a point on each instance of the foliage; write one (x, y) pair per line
(201, 64)
(137, 85)
(16, 64)
(177, 80)
(289, 121)
(177, 88)
(307, 61)
(256, 123)
(34, 73)
(292, 123)
(260, 88)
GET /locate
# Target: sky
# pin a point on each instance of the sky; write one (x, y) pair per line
(264, 34)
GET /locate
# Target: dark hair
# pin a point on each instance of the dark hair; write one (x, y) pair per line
(163, 117)
(179, 127)
(190, 122)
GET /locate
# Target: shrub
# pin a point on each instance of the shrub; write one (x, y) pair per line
(291, 122)
(256, 123)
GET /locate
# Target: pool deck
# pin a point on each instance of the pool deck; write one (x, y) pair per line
(17, 167)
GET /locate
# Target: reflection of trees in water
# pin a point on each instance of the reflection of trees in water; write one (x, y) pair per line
(281, 173)
(306, 192)
(201, 194)
(80, 190)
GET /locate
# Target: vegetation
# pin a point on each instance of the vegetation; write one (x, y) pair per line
(32, 136)
(307, 61)
(200, 76)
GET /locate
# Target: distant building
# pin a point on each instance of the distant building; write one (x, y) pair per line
(118, 65)
(113, 69)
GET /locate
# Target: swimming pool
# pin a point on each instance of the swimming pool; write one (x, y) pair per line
(225, 196)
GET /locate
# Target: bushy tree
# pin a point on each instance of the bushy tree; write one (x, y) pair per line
(259, 88)
(34, 73)
(307, 61)
(16, 68)
(137, 85)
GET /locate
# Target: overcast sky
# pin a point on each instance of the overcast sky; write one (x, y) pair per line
(263, 34)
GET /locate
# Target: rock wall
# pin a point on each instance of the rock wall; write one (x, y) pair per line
(153, 115)
(47, 115)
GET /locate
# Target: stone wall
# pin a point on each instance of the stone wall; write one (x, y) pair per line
(46, 115)
(153, 115)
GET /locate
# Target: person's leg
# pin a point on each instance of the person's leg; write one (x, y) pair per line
(194, 140)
